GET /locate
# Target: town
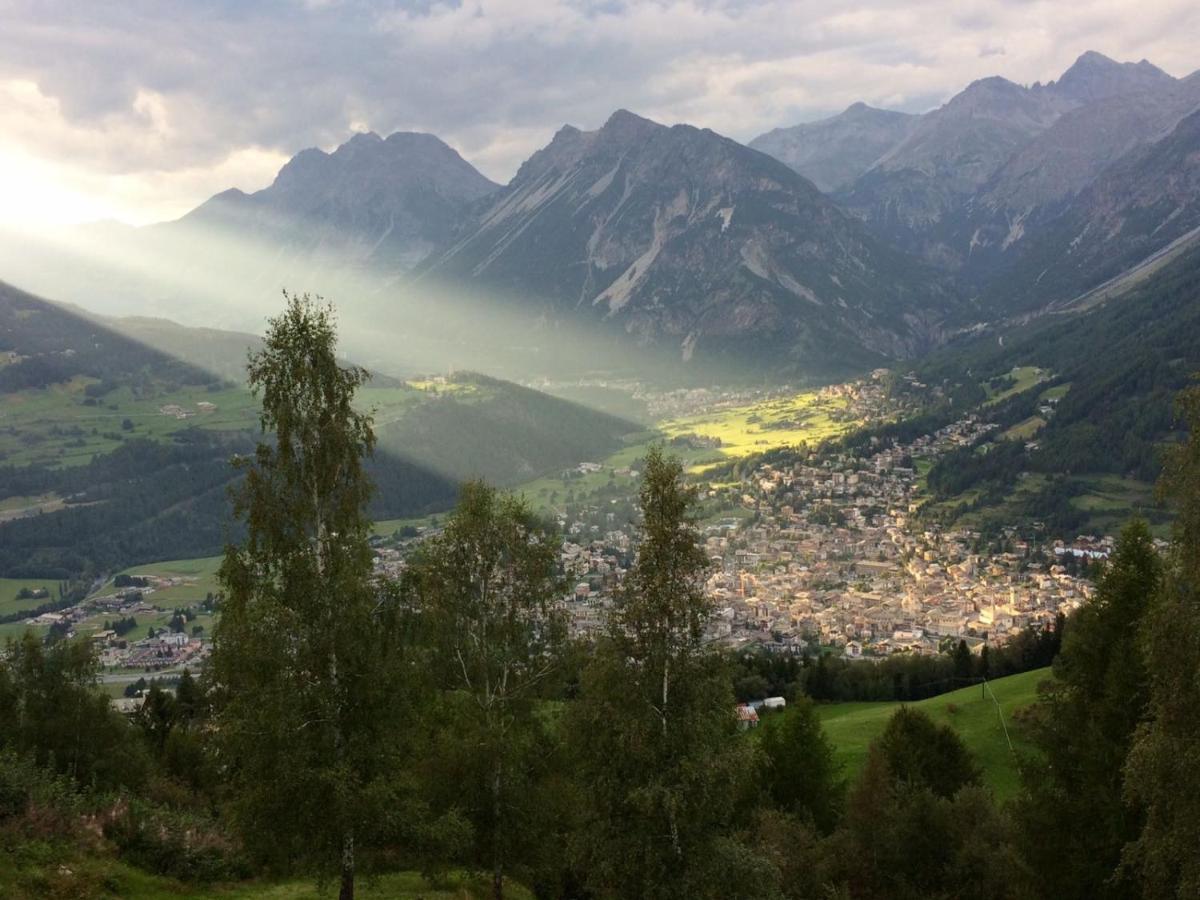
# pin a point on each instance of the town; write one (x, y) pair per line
(812, 553)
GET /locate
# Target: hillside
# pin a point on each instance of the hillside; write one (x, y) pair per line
(42, 344)
(970, 711)
(114, 454)
(1082, 438)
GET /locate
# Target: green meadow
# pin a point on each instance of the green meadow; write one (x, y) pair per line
(979, 717)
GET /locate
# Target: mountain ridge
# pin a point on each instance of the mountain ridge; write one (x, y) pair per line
(680, 235)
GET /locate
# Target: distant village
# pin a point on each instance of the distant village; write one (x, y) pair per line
(833, 556)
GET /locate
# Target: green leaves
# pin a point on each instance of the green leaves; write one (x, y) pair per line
(309, 681)
(654, 732)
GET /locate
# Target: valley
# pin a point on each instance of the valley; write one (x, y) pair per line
(621, 509)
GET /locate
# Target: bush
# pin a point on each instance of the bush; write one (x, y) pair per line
(176, 844)
(35, 801)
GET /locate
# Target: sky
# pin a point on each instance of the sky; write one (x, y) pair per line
(139, 110)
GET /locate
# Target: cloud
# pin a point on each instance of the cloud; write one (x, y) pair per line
(172, 95)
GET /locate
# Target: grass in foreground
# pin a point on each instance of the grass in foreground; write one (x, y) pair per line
(37, 871)
(852, 726)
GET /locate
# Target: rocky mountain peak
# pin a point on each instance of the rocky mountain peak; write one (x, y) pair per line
(1093, 76)
(833, 152)
(623, 125)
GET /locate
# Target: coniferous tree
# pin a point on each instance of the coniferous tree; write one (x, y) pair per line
(1072, 816)
(963, 664)
(490, 592)
(801, 773)
(1163, 768)
(655, 728)
(917, 823)
(307, 696)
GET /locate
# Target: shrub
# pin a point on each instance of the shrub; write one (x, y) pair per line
(176, 844)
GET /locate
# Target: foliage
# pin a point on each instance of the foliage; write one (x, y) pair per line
(654, 726)
(1163, 768)
(308, 690)
(801, 774)
(50, 710)
(917, 825)
(921, 753)
(181, 845)
(489, 592)
(1073, 821)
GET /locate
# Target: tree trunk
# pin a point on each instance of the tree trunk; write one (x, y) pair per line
(347, 891)
(674, 825)
(497, 854)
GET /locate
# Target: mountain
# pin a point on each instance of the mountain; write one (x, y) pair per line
(1094, 77)
(340, 223)
(390, 200)
(1061, 161)
(680, 238)
(924, 181)
(833, 152)
(964, 184)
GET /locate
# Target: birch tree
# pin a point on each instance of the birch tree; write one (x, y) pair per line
(306, 688)
(655, 725)
(489, 590)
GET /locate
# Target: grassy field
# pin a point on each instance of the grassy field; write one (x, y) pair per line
(97, 877)
(1055, 393)
(1025, 430)
(741, 430)
(10, 587)
(14, 630)
(549, 493)
(388, 527)
(1111, 501)
(852, 726)
(806, 417)
(1025, 378)
(193, 580)
(54, 426)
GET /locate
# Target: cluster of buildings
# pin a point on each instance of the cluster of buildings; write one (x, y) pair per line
(134, 649)
(175, 411)
(834, 555)
(167, 650)
(830, 552)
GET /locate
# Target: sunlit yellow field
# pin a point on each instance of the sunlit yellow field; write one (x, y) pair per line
(808, 417)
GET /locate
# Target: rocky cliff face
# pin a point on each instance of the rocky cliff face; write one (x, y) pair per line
(1145, 203)
(687, 240)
